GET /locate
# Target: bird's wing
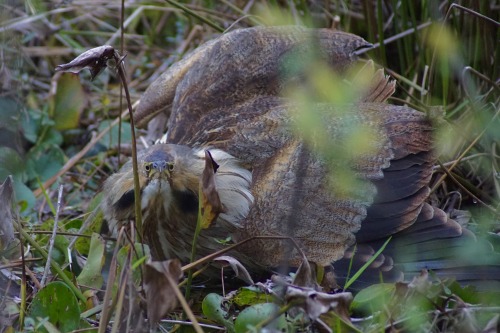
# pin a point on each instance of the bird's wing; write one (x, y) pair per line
(239, 64)
(229, 98)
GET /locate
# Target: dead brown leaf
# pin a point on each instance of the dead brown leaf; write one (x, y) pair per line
(211, 205)
(160, 296)
(238, 268)
(95, 60)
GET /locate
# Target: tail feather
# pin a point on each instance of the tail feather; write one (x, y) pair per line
(435, 243)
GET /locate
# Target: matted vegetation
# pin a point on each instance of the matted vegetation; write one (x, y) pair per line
(61, 137)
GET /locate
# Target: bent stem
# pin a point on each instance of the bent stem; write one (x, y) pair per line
(137, 191)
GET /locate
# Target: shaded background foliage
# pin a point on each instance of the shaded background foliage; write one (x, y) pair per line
(445, 59)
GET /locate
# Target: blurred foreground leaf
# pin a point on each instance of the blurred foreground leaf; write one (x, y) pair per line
(256, 314)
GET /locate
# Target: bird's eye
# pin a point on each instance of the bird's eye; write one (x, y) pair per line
(170, 166)
(147, 167)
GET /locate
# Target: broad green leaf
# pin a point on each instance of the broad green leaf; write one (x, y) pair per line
(212, 307)
(24, 195)
(44, 161)
(56, 302)
(11, 163)
(374, 296)
(256, 314)
(34, 123)
(91, 274)
(69, 102)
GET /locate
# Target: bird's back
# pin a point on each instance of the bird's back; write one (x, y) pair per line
(228, 95)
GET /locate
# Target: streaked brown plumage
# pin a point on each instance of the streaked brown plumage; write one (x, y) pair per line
(227, 97)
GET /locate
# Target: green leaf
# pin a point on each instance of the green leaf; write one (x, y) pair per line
(140, 251)
(11, 163)
(111, 138)
(251, 295)
(32, 125)
(24, 196)
(60, 252)
(91, 274)
(10, 128)
(82, 244)
(58, 303)
(44, 161)
(69, 102)
(256, 314)
(374, 296)
(10, 112)
(213, 308)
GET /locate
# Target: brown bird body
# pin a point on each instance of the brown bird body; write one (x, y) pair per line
(227, 96)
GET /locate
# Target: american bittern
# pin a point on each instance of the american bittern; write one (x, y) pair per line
(227, 96)
(169, 178)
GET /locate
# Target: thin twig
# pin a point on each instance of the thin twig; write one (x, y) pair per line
(229, 248)
(180, 322)
(53, 237)
(184, 304)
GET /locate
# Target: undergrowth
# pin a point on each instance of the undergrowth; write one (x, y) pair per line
(62, 135)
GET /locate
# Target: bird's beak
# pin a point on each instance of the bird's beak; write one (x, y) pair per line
(161, 168)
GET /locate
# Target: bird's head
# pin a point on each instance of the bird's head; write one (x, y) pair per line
(158, 169)
(169, 177)
(174, 166)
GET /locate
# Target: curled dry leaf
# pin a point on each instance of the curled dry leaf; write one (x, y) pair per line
(95, 60)
(317, 303)
(159, 292)
(211, 205)
(237, 267)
